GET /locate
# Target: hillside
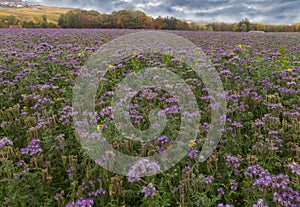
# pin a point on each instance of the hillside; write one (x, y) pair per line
(33, 12)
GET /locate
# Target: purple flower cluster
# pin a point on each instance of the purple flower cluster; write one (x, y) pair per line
(59, 196)
(23, 172)
(5, 141)
(260, 203)
(193, 153)
(224, 205)
(149, 190)
(208, 179)
(99, 191)
(232, 161)
(32, 148)
(283, 193)
(82, 202)
(163, 139)
(66, 115)
(141, 168)
(71, 171)
(295, 167)
(21, 162)
(221, 191)
(233, 185)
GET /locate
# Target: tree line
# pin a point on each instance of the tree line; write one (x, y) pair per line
(7, 21)
(132, 19)
(123, 19)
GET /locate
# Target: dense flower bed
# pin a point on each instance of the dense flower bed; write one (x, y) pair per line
(256, 162)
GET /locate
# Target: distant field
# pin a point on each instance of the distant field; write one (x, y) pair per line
(34, 12)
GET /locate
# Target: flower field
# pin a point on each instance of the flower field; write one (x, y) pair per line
(255, 164)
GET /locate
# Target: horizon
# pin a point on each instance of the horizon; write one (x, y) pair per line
(204, 11)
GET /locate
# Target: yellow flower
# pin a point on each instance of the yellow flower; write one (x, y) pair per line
(180, 60)
(109, 67)
(192, 143)
(291, 159)
(56, 99)
(99, 126)
(289, 69)
(24, 107)
(81, 54)
(240, 46)
(271, 96)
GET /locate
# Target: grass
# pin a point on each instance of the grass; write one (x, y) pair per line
(34, 13)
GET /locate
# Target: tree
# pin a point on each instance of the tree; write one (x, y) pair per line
(222, 26)
(143, 21)
(72, 18)
(235, 28)
(43, 23)
(3, 22)
(209, 28)
(61, 20)
(202, 27)
(11, 20)
(297, 27)
(261, 27)
(171, 23)
(95, 18)
(84, 21)
(52, 25)
(29, 24)
(158, 23)
(106, 21)
(288, 28)
(244, 28)
(247, 22)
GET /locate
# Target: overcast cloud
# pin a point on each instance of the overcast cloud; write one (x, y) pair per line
(267, 11)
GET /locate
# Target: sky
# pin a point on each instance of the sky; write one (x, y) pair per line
(202, 11)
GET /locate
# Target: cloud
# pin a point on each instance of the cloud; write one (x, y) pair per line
(267, 11)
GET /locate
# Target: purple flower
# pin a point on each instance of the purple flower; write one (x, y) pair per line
(160, 150)
(232, 161)
(163, 139)
(82, 202)
(149, 190)
(237, 124)
(141, 168)
(220, 191)
(174, 190)
(59, 196)
(283, 194)
(20, 163)
(33, 147)
(100, 191)
(71, 172)
(193, 153)
(104, 127)
(274, 106)
(5, 141)
(224, 205)
(208, 179)
(23, 172)
(233, 185)
(172, 109)
(260, 203)
(294, 167)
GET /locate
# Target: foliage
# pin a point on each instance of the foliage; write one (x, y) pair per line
(123, 19)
